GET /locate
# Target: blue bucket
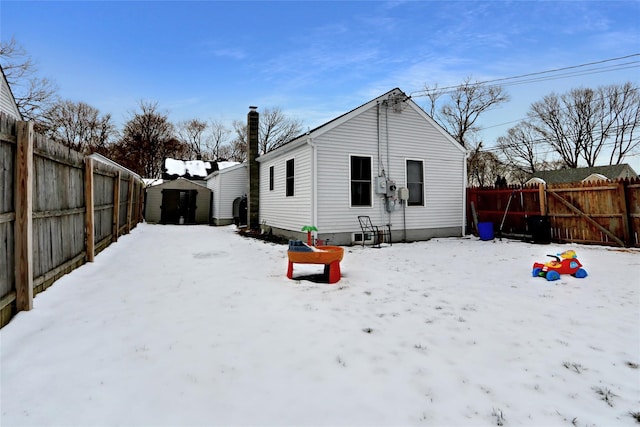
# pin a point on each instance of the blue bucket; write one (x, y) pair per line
(485, 230)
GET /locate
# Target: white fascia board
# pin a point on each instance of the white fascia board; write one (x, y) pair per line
(225, 170)
(290, 146)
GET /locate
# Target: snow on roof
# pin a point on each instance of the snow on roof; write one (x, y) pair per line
(186, 167)
(149, 182)
(197, 167)
(174, 167)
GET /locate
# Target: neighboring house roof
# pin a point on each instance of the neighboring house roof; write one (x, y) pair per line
(190, 169)
(395, 96)
(611, 172)
(7, 100)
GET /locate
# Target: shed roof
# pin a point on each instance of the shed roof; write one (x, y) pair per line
(181, 181)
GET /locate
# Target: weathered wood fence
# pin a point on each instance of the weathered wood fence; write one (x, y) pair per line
(603, 212)
(58, 209)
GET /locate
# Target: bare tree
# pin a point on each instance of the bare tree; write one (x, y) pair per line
(237, 149)
(78, 126)
(147, 139)
(193, 134)
(551, 124)
(483, 167)
(459, 115)
(582, 123)
(624, 102)
(33, 94)
(519, 147)
(219, 137)
(433, 94)
(276, 129)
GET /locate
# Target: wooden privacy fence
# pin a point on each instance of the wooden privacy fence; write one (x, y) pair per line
(602, 212)
(50, 196)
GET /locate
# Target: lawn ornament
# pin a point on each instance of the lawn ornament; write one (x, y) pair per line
(309, 229)
(564, 263)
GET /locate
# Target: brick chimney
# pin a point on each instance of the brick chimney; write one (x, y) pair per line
(253, 200)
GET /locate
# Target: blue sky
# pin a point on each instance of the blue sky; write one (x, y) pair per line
(314, 60)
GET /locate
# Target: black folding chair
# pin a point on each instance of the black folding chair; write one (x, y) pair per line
(379, 234)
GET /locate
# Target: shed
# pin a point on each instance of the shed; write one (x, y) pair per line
(355, 164)
(8, 103)
(178, 202)
(226, 185)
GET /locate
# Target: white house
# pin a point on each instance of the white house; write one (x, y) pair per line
(226, 185)
(7, 101)
(360, 164)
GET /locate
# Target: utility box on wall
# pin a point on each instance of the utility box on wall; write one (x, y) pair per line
(381, 185)
(403, 193)
(391, 188)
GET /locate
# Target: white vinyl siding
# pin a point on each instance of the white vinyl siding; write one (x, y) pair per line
(410, 136)
(227, 185)
(389, 138)
(278, 210)
(7, 102)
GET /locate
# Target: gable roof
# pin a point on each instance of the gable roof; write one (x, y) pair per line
(395, 96)
(180, 180)
(579, 174)
(8, 103)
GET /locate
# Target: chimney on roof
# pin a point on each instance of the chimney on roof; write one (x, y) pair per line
(253, 202)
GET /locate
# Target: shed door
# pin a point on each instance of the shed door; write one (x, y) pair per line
(178, 204)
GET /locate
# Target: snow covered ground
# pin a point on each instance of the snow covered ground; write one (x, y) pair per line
(195, 325)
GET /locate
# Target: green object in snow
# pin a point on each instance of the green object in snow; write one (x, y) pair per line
(309, 229)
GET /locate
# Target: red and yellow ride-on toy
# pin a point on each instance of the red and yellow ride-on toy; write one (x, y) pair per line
(564, 263)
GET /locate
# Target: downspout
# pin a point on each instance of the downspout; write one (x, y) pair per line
(378, 135)
(464, 193)
(314, 182)
(386, 129)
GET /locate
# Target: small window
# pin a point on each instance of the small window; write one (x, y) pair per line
(290, 175)
(415, 183)
(271, 178)
(360, 181)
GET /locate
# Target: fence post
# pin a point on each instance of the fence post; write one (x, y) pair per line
(622, 197)
(23, 229)
(129, 203)
(115, 230)
(89, 214)
(543, 199)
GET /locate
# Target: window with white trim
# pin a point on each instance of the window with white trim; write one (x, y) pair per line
(271, 178)
(360, 181)
(290, 178)
(415, 182)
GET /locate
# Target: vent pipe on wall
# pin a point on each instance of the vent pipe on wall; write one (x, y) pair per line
(253, 200)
